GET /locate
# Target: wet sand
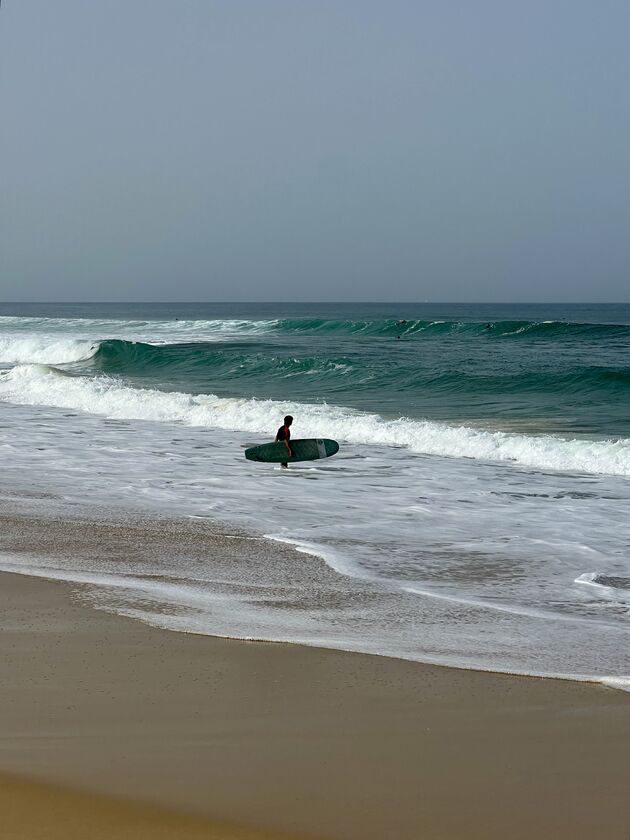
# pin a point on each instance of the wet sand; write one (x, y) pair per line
(35, 811)
(280, 738)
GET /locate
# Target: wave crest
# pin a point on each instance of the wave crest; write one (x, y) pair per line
(49, 350)
(36, 385)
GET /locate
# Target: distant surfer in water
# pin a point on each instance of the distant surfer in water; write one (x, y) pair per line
(284, 434)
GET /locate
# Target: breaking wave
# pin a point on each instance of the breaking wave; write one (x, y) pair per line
(107, 396)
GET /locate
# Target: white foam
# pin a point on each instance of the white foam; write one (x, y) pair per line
(332, 558)
(41, 385)
(49, 350)
(593, 580)
(620, 683)
(199, 602)
(588, 579)
(34, 335)
(59, 341)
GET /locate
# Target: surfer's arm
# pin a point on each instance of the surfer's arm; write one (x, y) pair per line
(284, 440)
(286, 443)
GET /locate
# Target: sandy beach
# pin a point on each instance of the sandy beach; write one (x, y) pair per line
(384, 246)
(137, 727)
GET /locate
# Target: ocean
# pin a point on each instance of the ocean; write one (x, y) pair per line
(477, 511)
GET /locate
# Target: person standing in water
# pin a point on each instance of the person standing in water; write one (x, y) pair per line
(284, 434)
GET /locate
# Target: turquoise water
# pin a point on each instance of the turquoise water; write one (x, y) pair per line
(476, 513)
(563, 369)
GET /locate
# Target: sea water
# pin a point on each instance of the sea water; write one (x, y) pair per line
(476, 514)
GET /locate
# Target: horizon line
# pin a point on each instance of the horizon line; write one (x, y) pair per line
(329, 302)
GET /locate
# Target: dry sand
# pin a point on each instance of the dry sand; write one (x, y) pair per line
(284, 738)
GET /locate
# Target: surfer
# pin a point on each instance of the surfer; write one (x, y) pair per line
(284, 434)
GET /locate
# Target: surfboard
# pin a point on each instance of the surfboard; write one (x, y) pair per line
(305, 449)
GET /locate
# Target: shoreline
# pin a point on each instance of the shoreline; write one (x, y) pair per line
(601, 682)
(305, 741)
(55, 529)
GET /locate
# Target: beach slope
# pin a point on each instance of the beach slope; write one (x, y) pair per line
(294, 740)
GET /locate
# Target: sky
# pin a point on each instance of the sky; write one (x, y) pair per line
(245, 150)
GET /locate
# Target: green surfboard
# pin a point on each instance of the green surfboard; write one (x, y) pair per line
(307, 449)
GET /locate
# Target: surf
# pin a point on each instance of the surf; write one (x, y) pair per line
(46, 385)
(45, 349)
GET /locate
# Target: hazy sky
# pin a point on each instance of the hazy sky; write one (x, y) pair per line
(314, 150)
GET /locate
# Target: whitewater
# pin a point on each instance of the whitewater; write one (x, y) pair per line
(47, 385)
(476, 514)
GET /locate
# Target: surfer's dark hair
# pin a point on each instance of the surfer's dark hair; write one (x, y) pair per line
(288, 419)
